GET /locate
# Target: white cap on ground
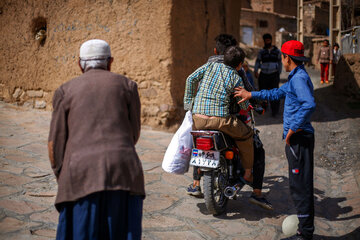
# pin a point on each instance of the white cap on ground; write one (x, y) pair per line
(290, 225)
(95, 49)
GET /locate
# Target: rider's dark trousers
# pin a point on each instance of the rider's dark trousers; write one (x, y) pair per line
(270, 81)
(259, 167)
(300, 156)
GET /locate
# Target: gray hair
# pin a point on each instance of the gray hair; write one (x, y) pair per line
(94, 63)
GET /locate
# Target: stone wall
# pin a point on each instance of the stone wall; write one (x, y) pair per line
(156, 43)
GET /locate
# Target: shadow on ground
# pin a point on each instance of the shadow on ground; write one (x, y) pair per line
(280, 198)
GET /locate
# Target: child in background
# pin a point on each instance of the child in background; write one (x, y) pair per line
(337, 54)
(325, 57)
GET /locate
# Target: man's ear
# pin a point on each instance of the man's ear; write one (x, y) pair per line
(110, 62)
(82, 70)
(215, 52)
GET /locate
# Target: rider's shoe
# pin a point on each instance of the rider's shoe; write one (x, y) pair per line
(194, 191)
(260, 201)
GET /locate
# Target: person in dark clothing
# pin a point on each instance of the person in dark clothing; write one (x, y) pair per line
(223, 41)
(298, 132)
(269, 61)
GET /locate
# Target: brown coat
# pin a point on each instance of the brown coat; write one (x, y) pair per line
(94, 128)
(325, 54)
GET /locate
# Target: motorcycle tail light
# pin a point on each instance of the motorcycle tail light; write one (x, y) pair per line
(229, 155)
(204, 143)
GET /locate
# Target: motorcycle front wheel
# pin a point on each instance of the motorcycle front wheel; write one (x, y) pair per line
(215, 182)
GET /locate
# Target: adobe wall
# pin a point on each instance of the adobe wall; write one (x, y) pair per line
(316, 18)
(156, 43)
(250, 18)
(288, 7)
(138, 33)
(347, 75)
(194, 26)
(263, 5)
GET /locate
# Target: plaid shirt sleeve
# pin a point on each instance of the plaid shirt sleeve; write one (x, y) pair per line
(191, 83)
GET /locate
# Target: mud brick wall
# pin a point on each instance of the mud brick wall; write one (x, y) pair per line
(156, 43)
(347, 75)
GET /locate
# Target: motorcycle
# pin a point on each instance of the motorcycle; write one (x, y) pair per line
(217, 156)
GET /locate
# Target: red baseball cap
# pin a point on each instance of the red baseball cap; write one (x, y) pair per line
(295, 50)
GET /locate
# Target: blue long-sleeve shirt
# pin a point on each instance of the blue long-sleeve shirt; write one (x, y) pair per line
(298, 92)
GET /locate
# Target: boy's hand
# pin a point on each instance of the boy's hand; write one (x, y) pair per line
(241, 92)
(289, 134)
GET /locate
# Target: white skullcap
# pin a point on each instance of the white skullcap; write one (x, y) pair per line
(95, 49)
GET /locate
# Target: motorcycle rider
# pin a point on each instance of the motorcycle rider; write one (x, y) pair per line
(223, 41)
(214, 113)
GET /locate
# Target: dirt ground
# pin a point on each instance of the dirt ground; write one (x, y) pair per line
(337, 127)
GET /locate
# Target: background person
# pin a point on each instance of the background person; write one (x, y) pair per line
(94, 127)
(325, 57)
(298, 92)
(269, 61)
(336, 55)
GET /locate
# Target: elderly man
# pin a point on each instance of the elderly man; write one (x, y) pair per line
(94, 128)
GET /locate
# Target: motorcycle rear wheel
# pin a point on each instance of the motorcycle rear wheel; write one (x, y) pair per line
(214, 185)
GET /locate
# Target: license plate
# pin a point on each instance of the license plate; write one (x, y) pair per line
(201, 158)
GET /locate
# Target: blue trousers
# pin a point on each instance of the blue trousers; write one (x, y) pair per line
(101, 216)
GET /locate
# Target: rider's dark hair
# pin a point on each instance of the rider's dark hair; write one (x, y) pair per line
(233, 56)
(223, 41)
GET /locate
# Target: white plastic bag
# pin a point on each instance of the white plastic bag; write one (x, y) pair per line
(177, 156)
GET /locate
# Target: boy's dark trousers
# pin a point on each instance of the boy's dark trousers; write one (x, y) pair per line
(267, 82)
(300, 155)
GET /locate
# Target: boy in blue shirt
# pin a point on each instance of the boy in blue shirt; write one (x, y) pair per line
(298, 132)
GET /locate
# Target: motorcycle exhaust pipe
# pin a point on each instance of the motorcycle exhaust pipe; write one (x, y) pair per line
(230, 192)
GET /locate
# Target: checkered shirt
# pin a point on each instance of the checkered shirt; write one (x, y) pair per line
(216, 86)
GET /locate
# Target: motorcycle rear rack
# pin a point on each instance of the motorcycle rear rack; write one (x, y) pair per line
(211, 133)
